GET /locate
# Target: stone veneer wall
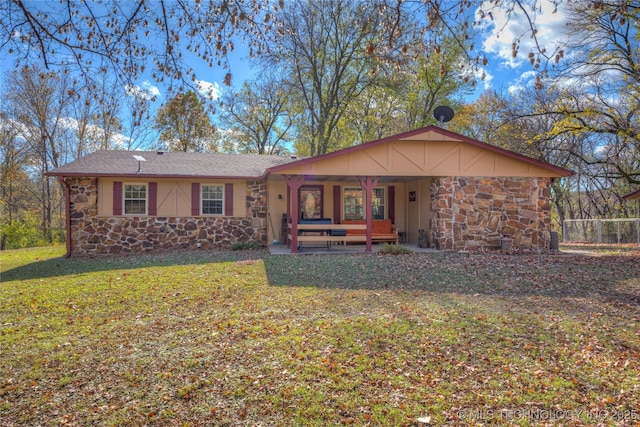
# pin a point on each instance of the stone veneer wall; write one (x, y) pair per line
(476, 213)
(92, 234)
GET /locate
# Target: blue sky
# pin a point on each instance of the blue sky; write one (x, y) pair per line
(495, 37)
(506, 73)
(503, 73)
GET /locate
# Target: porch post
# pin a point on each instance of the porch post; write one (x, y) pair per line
(294, 182)
(286, 233)
(368, 183)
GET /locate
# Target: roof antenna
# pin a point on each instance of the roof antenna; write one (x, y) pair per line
(140, 159)
(443, 114)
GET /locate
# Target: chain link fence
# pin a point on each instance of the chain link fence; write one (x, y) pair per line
(601, 230)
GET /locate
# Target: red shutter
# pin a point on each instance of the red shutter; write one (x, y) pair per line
(117, 198)
(336, 204)
(228, 199)
(195, 199)
(391, 204)
(153, 199)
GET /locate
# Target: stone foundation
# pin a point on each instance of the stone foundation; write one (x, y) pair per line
(476, 213)
(143, 234)
(91, 234)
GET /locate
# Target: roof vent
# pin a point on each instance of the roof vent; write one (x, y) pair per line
(159, 153)
(292, 157)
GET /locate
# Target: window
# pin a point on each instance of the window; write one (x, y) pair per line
(212, 198)
(135, 199)
(378, 203)
(354, 203)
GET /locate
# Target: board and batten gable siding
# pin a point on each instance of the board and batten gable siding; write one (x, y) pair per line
(170, 198)
(420, 158)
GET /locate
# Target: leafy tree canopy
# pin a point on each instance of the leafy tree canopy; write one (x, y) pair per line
(184, 125)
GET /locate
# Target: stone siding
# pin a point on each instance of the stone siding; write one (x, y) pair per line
(92, 234)
(476, 213)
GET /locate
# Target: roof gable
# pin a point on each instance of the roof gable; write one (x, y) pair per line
(430, 151)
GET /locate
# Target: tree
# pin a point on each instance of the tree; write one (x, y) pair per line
(94, 119)
(112, 37)
(257, 117)
(184, 124)
(137, 126)
(599, 86)
(39, 101)
(583, 115)
(406, 98)
(327, 50)
(13, 156)
(92, 38)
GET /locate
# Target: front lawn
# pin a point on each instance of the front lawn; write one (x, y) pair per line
(244, 338)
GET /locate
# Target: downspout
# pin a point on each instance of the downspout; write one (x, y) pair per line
(67, 209)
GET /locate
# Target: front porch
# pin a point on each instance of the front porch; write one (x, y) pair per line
(455, 192)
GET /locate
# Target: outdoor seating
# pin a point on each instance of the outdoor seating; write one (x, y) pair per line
(382, 230)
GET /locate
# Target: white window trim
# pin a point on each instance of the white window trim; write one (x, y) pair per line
(202, 186)
(124, 198)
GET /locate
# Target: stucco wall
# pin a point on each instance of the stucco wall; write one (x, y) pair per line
(476, 213)
(100, 234)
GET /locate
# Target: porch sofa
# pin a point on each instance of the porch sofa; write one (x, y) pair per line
(382, 230)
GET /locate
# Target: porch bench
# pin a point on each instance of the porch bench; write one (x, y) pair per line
(322, 230)
(382, 230)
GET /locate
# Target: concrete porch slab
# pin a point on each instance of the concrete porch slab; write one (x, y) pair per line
(338, 249)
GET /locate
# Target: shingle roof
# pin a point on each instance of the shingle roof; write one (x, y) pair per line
(171, 164)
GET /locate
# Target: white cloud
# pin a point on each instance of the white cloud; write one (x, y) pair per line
(150, 88)
(208, 90)
(146, 90)
(486, 77)
(525, 79)
(500, 32)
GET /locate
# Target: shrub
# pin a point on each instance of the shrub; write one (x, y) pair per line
(245, 246)
(393, 249)
(22, 234)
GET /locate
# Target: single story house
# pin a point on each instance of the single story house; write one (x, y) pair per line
(434, 186)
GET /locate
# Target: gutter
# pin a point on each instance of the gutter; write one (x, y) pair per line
(67, 209)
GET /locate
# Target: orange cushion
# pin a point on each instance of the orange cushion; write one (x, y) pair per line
(380, 226)
(355, 232)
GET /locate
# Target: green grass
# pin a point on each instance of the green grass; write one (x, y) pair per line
(244, 338)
